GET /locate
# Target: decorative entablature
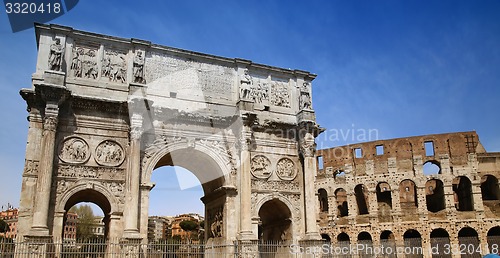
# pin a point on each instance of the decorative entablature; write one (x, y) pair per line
(97, 65)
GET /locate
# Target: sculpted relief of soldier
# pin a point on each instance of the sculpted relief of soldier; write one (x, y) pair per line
(305, 97)
(138, 70)
(253, 90)
(84, 63)
(55, 55)
(261, 167)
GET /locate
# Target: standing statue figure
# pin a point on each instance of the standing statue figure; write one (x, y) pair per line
(139, 68)
(55, 56)
(305, 97)
(246, 86)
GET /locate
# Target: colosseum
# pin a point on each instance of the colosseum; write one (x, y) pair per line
(418, 191)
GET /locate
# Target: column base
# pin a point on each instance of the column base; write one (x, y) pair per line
(312, 236)
(131, 234)
(39, 232)
(246, 236)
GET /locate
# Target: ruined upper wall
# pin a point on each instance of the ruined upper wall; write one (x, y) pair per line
(402, 153)
(101, 66)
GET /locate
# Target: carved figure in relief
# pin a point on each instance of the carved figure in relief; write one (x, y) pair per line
(260, 167)
(74, 150)
(84, 63)
(55, 55)
(246, 85)
(76, 63)
(281, 97)
(259, 92)
(216, 225)
(114, 66)
(139, 68)
(109, 153)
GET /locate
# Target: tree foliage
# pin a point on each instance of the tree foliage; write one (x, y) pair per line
(86, 220)
(4, 227)
(189, 226)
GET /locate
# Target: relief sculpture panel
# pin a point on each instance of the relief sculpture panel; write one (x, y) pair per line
(109, 153)
(285, 169)
(280, 95)
(84, 63)
(261, 167)
(114, 66)
(74, 150)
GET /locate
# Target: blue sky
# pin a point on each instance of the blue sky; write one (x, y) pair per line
(402, 68)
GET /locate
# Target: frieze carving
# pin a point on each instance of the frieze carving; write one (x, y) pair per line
(275, 185)
(74, 150)
(138, 67)
(109, 153)
(215, 221)
(305, 97)
(114, 66)
(73, 171)
(63, 186)
(285, 169)
(280, 95)
(55, 55)
(84, 63)
(31, 167)
(261, 167)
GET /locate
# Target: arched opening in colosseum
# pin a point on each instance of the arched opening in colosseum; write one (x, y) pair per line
(343, 240)
(276, 224)
(462, 191)
(323, 200)
(431, 167)
(384, 201)
(342, 205)
(408, 197)
(326, 237)
(468, 237)
(388, 240)
(493, 238)
(489, 188)
(361, 193)
(100, 227)
(434, 195)
(440, 239)
(365, 239)
(413, 240)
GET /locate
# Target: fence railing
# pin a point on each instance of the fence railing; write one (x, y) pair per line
(98, 248)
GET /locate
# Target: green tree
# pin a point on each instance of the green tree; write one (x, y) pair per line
(4, 227)
(86, 220)
(189, 226)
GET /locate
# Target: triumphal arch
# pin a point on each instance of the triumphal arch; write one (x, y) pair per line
(105, 112)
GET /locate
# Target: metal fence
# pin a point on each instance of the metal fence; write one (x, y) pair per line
(97, 248)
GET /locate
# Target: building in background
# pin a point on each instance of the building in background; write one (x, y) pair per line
(69, 233)
(10, 216)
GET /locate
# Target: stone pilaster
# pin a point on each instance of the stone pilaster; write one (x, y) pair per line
(308, 150)
(133, 178)
(246, 232)
(53, 95)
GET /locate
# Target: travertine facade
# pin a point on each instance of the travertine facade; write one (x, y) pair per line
(104, 112)
(382, 191)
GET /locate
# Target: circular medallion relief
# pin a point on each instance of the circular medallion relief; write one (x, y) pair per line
(109, 153)
(285, 169)
(261, 167)
(74, 150)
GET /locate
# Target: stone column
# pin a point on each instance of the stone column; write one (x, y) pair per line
(53, 96)
(245, 189)
(308, 149)
(133, 178)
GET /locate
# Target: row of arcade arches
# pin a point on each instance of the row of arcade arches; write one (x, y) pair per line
(408, 198)
(412, 239)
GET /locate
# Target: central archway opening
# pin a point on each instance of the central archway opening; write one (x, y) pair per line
(275, 218)
(187, 198)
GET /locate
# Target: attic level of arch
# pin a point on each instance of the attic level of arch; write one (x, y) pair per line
(430, 154)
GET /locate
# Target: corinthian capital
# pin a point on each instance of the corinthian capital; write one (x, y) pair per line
(308, 145)
(50, 123)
